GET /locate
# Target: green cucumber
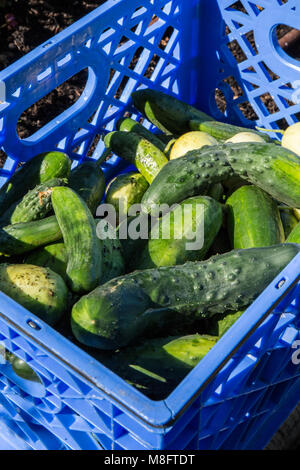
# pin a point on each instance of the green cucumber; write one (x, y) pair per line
(113, 260)
(39, 169)
(216, 191)
(124, 308)
(88, 181)
(35, 205)
(289, 221)
(132, 247)
(134, 148)
(84, 249)
(20, 238)
(253, 219)
(157, 365)
(38, 289)
(272, 168)
(170, 240)
(222, 131)
(185, 177)
(129, 125)
(166, 112)
(125, 190)
(294, 236)
(53, 256)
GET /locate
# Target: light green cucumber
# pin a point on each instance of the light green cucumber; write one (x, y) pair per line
(38, 289)
(129, 125)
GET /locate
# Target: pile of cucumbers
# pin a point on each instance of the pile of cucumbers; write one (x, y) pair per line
(150, 308)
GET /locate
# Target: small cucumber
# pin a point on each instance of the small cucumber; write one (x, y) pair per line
(38, 289)
(35, 205)
(129, 125)
(184, 234)
(166, 112)
(88, 181)
(22, 369)
(84, 249)
(53, 256)
(39, 169)
(193, 140)
(148, 158)
(20, 238)
(223, 131)
(253, 219)
(125, 190)
(124, 308)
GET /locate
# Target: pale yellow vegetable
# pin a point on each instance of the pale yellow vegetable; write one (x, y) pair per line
(245, 137)
(291, 138)
(193, 140)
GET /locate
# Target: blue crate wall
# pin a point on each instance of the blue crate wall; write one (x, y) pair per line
(117, 42)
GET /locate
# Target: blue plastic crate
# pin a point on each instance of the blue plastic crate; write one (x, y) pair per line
(245, 387)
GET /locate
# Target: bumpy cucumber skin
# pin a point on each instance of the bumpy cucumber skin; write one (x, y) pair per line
(38, 289)
(289, 221)
(185, 177)
(35, 205)
(20, 238)
(53, 256)
(173, 251)
(112, 253)
(294, 236)
(129, 125)
(88, 181)
(124, 191)
(222, 131)
(253, 219)
(166, 112)
(116, 313)
(148, 158)
(39, 169)
(79, 234)
(157, 365)
(272, 168)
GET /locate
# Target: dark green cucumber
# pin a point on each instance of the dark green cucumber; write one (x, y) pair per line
(294, 236)
(124, 191)
(216, 191)
(253, 219)
(129, 125)
(182, 236)
(289, 221)
(84, 249)
(124, 308)
(166, 112)
(112, 253)
(157, 365)
(38, 170)
(221, 130)
(53, 256)
(88, 181)
(132, 247)
(35, 205)
(185, 177)
(148, 158)
(20, 238)
(274, 169)
(38, 289)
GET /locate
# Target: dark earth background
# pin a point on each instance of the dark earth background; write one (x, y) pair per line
(25, 24)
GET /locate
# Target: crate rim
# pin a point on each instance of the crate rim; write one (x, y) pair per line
(155, 414)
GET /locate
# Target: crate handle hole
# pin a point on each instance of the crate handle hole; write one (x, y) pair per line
(286, 41)
(280, 283)
(33, 325)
